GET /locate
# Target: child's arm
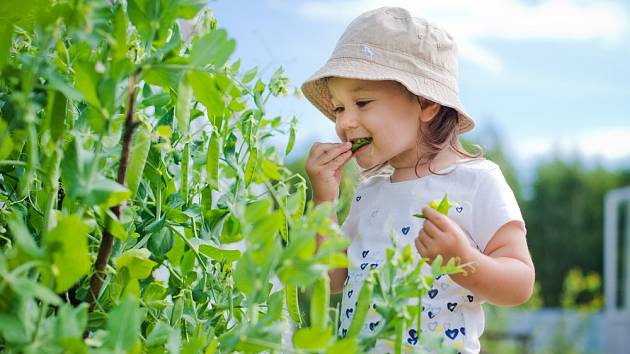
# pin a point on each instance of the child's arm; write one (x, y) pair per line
(503, 274)
(324, 165)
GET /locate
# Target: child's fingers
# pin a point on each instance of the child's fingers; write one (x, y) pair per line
(440, 220)
(420, 246)
(327, 152)
(340, 160)
(432, 230)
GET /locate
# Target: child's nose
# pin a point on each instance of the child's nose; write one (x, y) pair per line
(348, 120)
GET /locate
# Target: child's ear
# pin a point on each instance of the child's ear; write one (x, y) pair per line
(429, 109)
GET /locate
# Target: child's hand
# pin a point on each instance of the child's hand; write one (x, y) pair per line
(441, 235)
(324, 164)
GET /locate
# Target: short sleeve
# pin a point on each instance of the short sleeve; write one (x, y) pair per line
(494, 205)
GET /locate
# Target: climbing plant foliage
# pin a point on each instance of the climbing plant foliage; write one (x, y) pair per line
(142, 207)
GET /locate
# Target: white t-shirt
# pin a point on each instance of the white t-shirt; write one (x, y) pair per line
(482, 203)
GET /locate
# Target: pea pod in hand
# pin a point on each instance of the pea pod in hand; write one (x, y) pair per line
(359, 143)
(441, 206)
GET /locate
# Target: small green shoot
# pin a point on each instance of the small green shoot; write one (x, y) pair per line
(441, 206)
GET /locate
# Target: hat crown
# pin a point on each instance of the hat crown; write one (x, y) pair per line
(389, 44)
(395, 30)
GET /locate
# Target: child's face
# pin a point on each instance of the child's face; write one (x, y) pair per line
(381, 110)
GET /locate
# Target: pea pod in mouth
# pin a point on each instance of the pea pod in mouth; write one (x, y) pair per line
(359, 143)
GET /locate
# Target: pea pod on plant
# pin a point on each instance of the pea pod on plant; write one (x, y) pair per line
(291, 295)
(301, 201)
(319, 302)
(363, 302)
(251, 165)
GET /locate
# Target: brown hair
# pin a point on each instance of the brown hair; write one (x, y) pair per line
(431, 139)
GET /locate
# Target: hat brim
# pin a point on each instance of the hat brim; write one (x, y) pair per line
(316, 90)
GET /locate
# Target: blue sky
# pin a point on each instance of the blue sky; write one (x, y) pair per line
(549, 75)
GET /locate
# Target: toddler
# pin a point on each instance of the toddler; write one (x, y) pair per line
(391, 88)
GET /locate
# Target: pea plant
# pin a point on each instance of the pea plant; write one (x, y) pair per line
(142, 208)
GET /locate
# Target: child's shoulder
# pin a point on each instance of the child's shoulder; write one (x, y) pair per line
(476, 170)
(477, 166)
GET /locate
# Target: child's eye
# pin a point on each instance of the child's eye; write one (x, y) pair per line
(338, 109)
(362, 103)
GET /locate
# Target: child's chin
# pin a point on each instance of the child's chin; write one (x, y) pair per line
(366, 162)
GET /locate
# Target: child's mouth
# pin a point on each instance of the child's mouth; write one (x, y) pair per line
(359, 143)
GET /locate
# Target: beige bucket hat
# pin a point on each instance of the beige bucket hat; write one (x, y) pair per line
(388, 43)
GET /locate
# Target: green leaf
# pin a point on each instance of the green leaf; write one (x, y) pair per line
(69, 327)
(436, 265)
(166, 77)
(212, 163)
(12, 330)
(6, 37)
(344, 346)
(266, 228)
(189, 8)
(271, 170)
(68, 247)
(231, 231)
(26, 287)
(219, 254)
(444, 205)
(7, 143)
(312, 338)
(59, 83)
(86, 82)
(140, 147)
(106, 191)
(212, 48)
(207, 93)
(120, 26)
(245, 274)
(250, 75)
(123, 324)
(137, 262)
(159, 335)
(114, 226)
(22, 237)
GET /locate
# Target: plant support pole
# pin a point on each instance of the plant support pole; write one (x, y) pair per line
(105, 248)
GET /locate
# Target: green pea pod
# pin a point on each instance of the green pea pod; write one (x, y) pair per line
(319, 303)
(138, 158)
(360, 312)
(178, 310)
(284, 227)
(32, 157)
(291, 137)
(251, 165)
(212, 163)
(301, 201)
(182, 108)
(185, 171)
(291, 295)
